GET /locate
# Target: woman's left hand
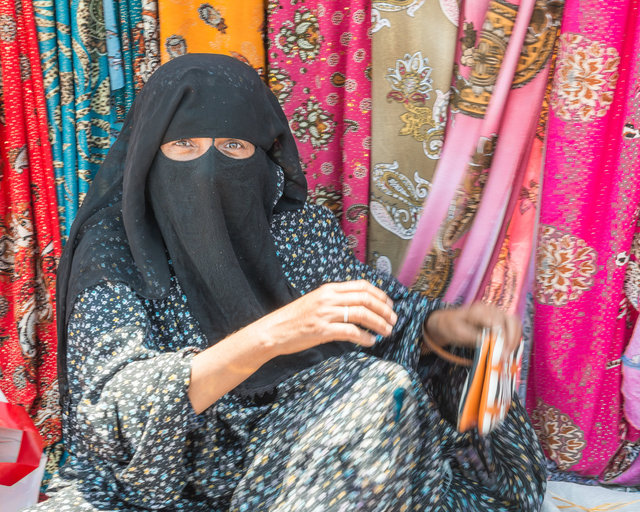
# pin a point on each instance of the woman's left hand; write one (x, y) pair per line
(462, 326)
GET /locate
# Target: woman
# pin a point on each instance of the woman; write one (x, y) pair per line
(222, 349)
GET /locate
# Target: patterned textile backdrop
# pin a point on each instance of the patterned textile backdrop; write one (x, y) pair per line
(29, 236)
(590, 203)
(413, 49)
(76, 76)
(231, 27)
(319, 59)
(477, 227)
(132, 48)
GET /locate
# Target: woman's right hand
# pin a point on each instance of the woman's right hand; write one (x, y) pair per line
(315, 318)
(319, 317)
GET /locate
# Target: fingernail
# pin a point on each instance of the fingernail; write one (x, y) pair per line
(389, 329)
(372, 340)
(389, 302)
(394, 318)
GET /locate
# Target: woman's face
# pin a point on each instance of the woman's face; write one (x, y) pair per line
(189, 149)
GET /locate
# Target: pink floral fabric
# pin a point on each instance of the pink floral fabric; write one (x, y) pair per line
(319, 57)
(590, 203)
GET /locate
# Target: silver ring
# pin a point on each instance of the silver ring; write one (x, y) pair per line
(346, 314)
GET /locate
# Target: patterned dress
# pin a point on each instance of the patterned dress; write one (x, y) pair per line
(369, 430)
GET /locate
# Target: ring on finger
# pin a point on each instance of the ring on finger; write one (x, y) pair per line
(346, 314)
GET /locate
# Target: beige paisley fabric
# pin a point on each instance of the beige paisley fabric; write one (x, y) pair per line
(413, 49)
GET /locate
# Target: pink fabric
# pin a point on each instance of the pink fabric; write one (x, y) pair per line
(631, 379)
(490, 264)
(505, 285)
(630, 478)
(589, 207)
(504, 187)
(319, 67)
(461, 141)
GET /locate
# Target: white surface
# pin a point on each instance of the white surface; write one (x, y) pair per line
(24, 493)
(569, 497)
(10, 440)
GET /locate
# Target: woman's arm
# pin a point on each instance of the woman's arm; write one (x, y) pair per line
(321, 242)
(315, 318)
(135, 393)
(129, 411)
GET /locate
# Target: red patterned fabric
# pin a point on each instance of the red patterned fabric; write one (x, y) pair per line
(29, 233)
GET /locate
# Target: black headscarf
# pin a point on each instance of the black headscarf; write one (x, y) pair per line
(210, 216)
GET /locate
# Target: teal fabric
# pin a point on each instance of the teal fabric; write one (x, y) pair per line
(83, 111)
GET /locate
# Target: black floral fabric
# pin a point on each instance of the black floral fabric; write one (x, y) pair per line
(361, 431)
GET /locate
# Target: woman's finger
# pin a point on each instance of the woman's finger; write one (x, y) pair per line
(366, 318)
(351, 333)
(465, 334)
(485, 315)
(360, 286)
(513, 334)
(370, 301)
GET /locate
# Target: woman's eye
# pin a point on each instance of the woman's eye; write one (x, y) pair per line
(235, 148)
(187, 148)
(234, 144)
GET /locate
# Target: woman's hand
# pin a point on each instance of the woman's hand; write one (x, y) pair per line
(315, 318)
(319, 317)
(462, 326)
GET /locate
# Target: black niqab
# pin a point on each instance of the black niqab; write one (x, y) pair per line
(211, 215)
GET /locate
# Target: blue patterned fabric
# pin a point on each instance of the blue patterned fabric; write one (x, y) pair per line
(116, 65)
(132, 45)
(82, 115)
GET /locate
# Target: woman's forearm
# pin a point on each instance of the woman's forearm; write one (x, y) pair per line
(334, 311)
(220, 368)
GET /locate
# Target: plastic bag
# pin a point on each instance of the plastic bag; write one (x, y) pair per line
(21, 459)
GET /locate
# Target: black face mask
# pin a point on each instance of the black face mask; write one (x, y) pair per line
(214, 215)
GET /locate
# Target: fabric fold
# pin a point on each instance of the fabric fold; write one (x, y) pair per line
(30, 243)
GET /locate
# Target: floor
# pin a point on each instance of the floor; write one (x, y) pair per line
(570, 497)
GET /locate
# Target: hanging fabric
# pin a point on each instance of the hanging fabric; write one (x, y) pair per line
(484, 173)
(229, 27)
(151, 42)
(76, 76)
(320, 70)
(590, 204)
(129, 66)
(503, 285)
(117, 79)
(29, 236)
(96, 54)
(413, 47)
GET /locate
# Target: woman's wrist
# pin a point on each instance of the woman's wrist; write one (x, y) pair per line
(437, 347)
(223, 366)
(432, 330)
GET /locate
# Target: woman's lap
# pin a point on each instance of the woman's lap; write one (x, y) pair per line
(378, 442)
(359, 433)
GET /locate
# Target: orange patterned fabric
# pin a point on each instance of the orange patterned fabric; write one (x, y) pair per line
(230, 27)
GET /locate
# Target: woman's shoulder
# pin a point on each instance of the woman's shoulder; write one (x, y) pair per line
(312, 220)
(105, 296)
